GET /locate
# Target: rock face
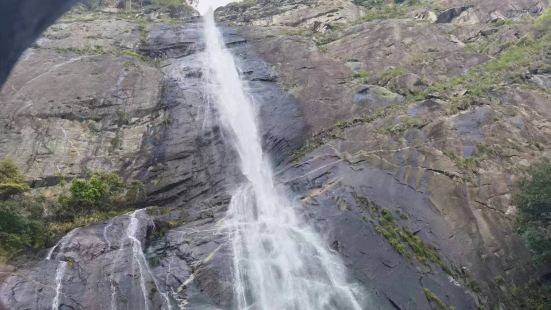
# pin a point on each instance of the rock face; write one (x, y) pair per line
(445, 171)
(85, 98)
(413, 192)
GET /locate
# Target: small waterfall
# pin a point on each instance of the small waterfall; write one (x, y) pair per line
(61, 266)
(137, 253)
(279, 261)
(139, 258)
(61, 244)
(106, 232)
(59, 274)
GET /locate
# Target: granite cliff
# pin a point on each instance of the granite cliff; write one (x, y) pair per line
(400, 127)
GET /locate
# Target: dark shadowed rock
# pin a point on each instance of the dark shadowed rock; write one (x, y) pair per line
(169, 138)
(411, 190)
(449, 15)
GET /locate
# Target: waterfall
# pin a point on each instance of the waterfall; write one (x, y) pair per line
(59, 274)
(279, 261)
(61, 266)
(144, 273)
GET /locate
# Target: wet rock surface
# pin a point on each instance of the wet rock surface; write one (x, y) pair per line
(413, 194)
(157, 103)
(445, 173)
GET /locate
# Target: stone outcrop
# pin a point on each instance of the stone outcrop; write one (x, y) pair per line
(109, 91)
(413, 192)
(451, 170)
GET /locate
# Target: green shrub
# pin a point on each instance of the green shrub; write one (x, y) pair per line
(102, 191)
(12, 182)
(533, 199)
(18, 228)
(37, 218)
(173, 3)
(534, 296)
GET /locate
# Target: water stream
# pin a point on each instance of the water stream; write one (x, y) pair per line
(139, 265)
(61, 266)
(279, 261)
(59, 274)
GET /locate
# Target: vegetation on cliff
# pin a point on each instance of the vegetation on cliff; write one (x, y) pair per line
(11, 180)
(534, 209)
(533, 199)
(34, 219)
(383, 9)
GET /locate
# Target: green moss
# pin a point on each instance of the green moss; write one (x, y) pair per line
(471, 164)
(406, 122)
(12, 182)
(173, 3)
(308, 147)
(86, 50)
(422, 251)
(127, 65)
(392, 73)
(489, 150)
(468, 164)
(458, 104)
(360, 74)
(402, 240)
(544, 20)
(387, 216)
(134, 54)
(435, 301)
(381, 9)
(509, 66)
(175, 223)
(75, 16)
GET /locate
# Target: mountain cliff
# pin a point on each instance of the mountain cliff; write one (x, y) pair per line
(401, 127)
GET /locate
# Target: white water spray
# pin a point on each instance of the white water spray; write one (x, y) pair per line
(61, 266)
(59, 274)
(139, 257)
(105, 232)
(279, 262)
(61, 243)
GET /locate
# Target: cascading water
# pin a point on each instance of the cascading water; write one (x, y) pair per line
(61, 266)
(138, 259)
(279, 262)
(59, 274)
